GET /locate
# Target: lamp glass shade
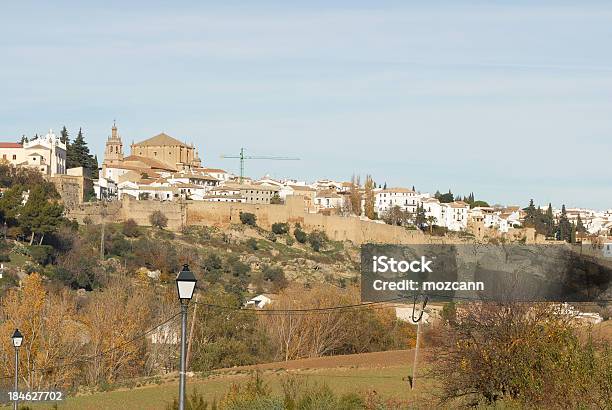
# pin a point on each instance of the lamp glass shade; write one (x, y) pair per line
(185, 283)
(17, 338)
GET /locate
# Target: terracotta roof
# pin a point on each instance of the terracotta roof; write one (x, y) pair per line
(214, 170)
(458, 204)
(327, 194)
(162, 139)
(392, 190)
(10, 145)
(301, 188)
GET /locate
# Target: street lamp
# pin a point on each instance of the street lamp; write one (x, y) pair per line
(185, 285)
(17, 341)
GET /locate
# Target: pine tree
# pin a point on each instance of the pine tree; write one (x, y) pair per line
(24, 139)
(40, 215)
(78, 156)
(531, 215)
(385, 186)
(564, 229)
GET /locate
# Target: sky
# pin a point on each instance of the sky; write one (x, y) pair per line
(509, 100)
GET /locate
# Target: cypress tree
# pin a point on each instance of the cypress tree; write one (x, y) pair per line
(64, 135)
(579, 225)
(549, 221)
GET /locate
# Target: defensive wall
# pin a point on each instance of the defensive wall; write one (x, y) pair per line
(223, 214)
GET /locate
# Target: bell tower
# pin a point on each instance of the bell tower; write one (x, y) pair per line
(114, 147)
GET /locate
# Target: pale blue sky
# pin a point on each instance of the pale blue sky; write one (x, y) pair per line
(511, 100)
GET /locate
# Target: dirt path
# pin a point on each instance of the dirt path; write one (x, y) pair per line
(390, 358)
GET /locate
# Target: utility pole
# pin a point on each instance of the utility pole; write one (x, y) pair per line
(416, 356)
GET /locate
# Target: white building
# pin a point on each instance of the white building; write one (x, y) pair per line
(327, 199)
(455, 215)
(105, 188)
(386, 199)
(219, 174)
(224, 193)
(46, 154)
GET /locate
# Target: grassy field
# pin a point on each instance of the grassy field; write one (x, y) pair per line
(383, 373)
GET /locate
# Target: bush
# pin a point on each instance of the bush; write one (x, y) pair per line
(41, 254)
(239, 269)
(280, 228)
(275, 275)
(194, 401)
(158, 219)
(119, 246)
(212, 263)
(524, 353)
(289, 241)
(271, 237)
(317, 240)
(252, 243)
(248, 218)
(4, 257)
(130, 228)
(300, 235)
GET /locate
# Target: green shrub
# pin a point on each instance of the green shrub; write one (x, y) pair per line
(271, 237)
(317, 240)
(252, 243)
(41, 254)
(289, 241)
(239, 269)
(280, 228)
(300, 235)
(4, 257)
(194, 401)
(248, 218)
(119, 246)
(274, 274)
(212, 263)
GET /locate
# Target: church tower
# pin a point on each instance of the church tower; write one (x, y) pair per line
(114, 147)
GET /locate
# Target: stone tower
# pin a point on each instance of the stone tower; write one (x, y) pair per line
(114, 147)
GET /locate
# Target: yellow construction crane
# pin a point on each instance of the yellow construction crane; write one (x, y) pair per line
(242, 157)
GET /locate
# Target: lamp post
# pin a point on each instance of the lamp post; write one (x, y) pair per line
(17, 341)
(185, 285)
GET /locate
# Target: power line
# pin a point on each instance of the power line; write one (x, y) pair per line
(383, 304)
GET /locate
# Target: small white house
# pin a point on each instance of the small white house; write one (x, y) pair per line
(258, 302)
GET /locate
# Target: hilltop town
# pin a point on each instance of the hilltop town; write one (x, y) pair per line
(164, 169)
